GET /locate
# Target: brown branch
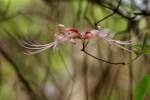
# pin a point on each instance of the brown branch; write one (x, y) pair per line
(84, 45)
(116, 63)
(142, 13)
(104, 19)
(115, 10)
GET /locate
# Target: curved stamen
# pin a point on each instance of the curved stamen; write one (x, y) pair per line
(34, 48)
(119, 42)
(38, 51)
(122, 47)
(35, 45)
(115, 42)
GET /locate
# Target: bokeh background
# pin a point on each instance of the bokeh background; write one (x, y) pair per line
(68, 73)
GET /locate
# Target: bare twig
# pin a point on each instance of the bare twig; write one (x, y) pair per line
(115, 10)
(104, 18)
(116, 63)
(84, 45)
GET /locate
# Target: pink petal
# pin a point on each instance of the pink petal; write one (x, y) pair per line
(74, 31)
(87, 35)
(99, 33)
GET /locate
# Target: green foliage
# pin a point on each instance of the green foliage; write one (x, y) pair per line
(29, 19)
(6, 83)
(143, 48)
(144, 41)
(142, 88)
(12, 6)
(6, 92)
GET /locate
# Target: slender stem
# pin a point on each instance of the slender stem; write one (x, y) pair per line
(114, 11)
(116, 63)
(104, 18)
(84, 45)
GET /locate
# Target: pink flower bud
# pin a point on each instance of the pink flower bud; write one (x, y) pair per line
(87, 35)
(74, 33)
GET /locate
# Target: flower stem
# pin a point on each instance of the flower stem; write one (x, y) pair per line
(116, 63)
(84, 45)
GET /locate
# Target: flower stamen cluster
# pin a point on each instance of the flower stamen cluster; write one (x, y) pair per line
(70, 35)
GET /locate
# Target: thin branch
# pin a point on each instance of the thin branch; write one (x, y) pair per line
(116, 63)
(114, 11)
(119, 3)
(142, 13)
(104, 18)
(84, 45)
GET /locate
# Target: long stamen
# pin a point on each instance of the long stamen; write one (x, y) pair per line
(38, 51)
(115, 42)
(35, 45)
(34, 48)
(123, 47)
(121, 42)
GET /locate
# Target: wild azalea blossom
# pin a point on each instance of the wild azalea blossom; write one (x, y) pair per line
(70, 35)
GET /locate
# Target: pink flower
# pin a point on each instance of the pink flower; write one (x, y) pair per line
(87, 35)
(70, 35)
(104, 34)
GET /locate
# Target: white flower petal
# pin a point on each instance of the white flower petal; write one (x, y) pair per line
(61, 25)
(100, 33)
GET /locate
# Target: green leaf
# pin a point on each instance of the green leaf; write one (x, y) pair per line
(146, 52)
(138, 46)
(142, 88)
(144, 42)
(143, 48)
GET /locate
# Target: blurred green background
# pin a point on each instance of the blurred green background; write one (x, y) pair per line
(60, 75)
